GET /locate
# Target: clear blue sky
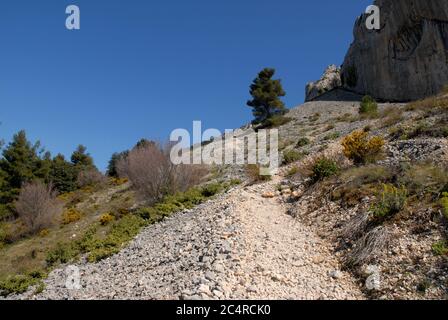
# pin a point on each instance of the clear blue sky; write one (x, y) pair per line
(141, 68)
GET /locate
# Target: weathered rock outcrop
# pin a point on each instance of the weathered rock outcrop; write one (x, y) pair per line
(331, 79)
(407, 59)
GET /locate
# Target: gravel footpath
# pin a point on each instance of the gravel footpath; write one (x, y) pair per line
(237, 246)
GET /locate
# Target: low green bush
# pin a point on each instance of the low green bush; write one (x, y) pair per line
(303, 142)
(390, 201)
(20, 283)
(291, 156)
(368, 107)
(121, 233)
(292, 172)
(324, 168)
(62, 253)
(440, 248)
(332, 136)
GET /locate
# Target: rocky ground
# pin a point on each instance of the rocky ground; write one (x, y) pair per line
(238, 246)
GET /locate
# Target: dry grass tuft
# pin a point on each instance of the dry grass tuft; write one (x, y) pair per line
(370, 246)
(356, 226)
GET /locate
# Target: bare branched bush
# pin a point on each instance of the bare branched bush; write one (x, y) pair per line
(153, 175)
(186, 176)
(91, 177)
(37, 206)
(370, 246)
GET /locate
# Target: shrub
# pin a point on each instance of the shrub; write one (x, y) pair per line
(390, 201)
(106, 219)
(118, 181)
(62, 253)
(44, 233)
(359, 148)
(368, 107)
(71, 215)
(37, 206)
(120, 233)
(332, 136)
(291, 156)
(153, 175)
(443, 203)
(5, 212)
(346, 117)
(422, 179)
(19, 283)
(440, 248)
(359, 182)
(431, 105)
(91, 178)
(293, 171)
(314, 117)
(4, 233)
(324, 168)
(303, 142)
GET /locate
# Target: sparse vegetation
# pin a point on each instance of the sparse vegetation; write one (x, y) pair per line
(440, 248)
(359, 182)
(362, 149)
(293, 171)
(19, 283)
(324, 168)
(106, 219)
(315, 117)
(303, 142)
(391, 116)
(332, 136)
(368, 107)
(291, 156)
(71, 215)
(390, 201)
(424, 179)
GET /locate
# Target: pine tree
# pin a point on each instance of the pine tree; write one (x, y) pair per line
(266, 93)
(112, 170)
(81, 158)
(63, 174)
(19, 163)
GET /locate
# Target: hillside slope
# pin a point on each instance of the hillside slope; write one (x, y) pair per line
(295, 237)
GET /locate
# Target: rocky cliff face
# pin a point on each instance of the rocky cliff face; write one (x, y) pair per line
(330, 80)
(407, 59)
